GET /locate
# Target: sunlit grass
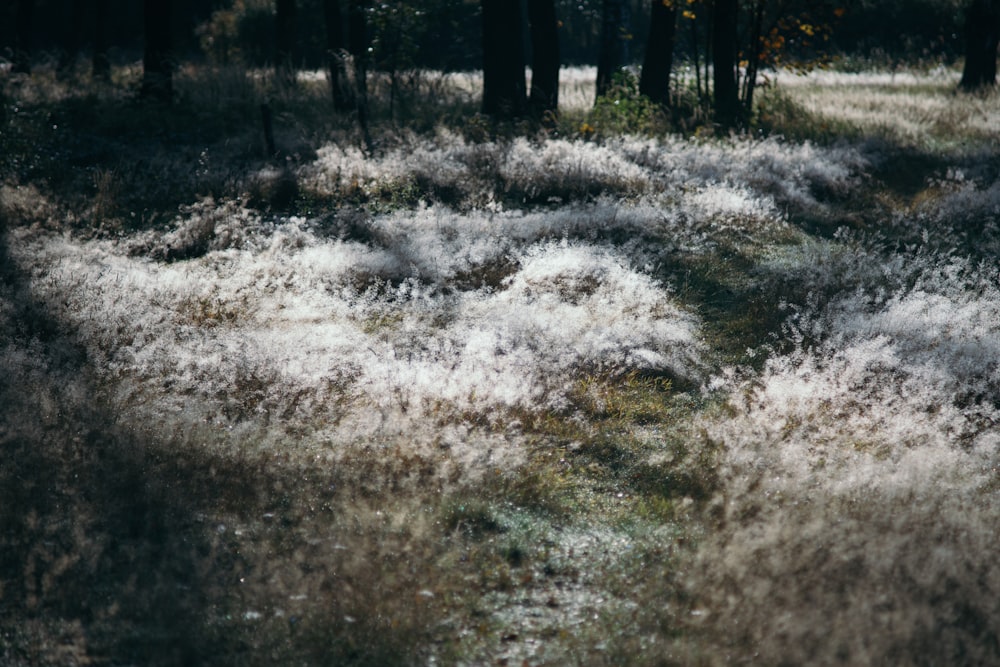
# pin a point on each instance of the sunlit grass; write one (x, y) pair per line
(919, 110)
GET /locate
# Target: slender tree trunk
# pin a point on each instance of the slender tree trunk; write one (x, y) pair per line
(982, 30)
(503, 59)
(654, 82)
(358, 46)
(724, 47)
(337, 55)
(697, 61)
(614, 43)
(545, 57)
(101, 65)
(753, 59)
(23, 25)
(157, 65)
(72, 41)
(284, 41)
(707, 72)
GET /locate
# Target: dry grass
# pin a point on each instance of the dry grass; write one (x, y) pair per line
(496, 394)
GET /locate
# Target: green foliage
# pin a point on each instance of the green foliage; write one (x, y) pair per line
(403, 35)
(397, 29)
(623, 111)
(240, 34)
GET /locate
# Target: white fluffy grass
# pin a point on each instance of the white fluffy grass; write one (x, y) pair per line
(856, 515)
(281, 324)
(860, 476)
(557, 170)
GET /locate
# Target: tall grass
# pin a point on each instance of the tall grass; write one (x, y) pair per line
(496, 393)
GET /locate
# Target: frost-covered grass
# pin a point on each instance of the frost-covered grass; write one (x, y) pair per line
(497, 394)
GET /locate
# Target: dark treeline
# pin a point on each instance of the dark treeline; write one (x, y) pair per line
(724, 44)
(441, 34)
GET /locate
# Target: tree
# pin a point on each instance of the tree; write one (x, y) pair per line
(345, 95)
(503, 59)
(724, 49)
(284, 40)
(157, 60)
(982, 33)
(357, 44)
(754, 55)
(71, 41)
(654, 81)
(545, 57)
(101, 65)
(735, 40)
(614, 43)
(336, 55)
(24, 24)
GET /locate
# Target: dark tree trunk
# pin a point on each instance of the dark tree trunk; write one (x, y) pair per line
(358, 46)
(724, 48)
(614, 43)
(336, 55)
(654, 82)
(545, 57)
(357, 33)
(72, 41)
(982, 33)
(284, 40)
(753, 57)
(503, 59)
(157, 65)
(24, 23)
(101, 65)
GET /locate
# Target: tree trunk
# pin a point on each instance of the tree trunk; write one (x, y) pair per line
(358, 46)
(503, 59)
(336, 55)
(157, 65)
(654, 82)
(545, 57)
(724, 46)
(284, 41)
(753, 57)
(101, 65)
(982, 30)
(71, 43)
(24, 24)
(614, 43)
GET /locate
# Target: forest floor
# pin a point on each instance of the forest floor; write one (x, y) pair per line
(595, 394)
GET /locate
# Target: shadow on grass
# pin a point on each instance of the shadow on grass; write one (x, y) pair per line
(99, 554)
(118, 546)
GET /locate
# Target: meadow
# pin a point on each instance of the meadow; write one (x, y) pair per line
(610, 391)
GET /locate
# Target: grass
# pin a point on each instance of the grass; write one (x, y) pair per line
(495, 395)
